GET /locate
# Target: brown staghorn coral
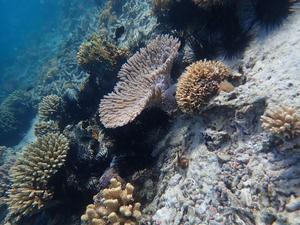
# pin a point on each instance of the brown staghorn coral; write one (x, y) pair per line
(199, 83)
(30, 175)
(45, 127)
(161, 5)
(143, 80)
(116, 207)
(96, 50)
(283, 121)
(50, 107)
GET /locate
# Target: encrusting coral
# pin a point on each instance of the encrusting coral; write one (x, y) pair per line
(143, 81)
(30, 175)
(283, 121)
(50, 107)
(199, 83)
(45, 127)
(96, 50)
(116, 206)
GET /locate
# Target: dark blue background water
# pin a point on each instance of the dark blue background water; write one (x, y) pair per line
(22, 22)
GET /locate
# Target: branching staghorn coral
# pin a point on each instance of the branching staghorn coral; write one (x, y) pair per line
(116, 207)
(96, 50)
(143, 80)
(50, 107)
(45, 127)
(199, 83)
(283, 121)
(31, 173)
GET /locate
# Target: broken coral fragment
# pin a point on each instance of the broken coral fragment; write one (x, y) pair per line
(283, 121)
(143, 80)
(116, 206)
(199, 83)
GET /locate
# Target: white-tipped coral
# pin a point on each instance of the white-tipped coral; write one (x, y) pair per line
(143, 79)
(30, 175)
(199, 83)
(283, 121)
(50, 107)
(116, 207)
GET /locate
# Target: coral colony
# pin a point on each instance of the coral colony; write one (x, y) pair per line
(148, 100)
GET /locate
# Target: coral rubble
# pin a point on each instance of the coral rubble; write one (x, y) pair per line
(143, 81)
(199, 83)
(31, 173)
(283, 121)
(115, 206)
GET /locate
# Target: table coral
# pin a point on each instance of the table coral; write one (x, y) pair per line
(283, 121)
(143, 80)
(116, 207)
(30, 175)
(199, 83)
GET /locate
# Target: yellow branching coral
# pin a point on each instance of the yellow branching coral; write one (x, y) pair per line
(199, 83)
(50, 107)
(283, 121)
(45, 127)
(31, 173)
(143, 79)
(96, 50)
(116, 207)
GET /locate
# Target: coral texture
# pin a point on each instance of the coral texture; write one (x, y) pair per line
(13, 111)
(30, 175)
(50, 107)
(143, 79)
(199, 83)
(283, 121)
(5, 181)
(44, 127)
(207, 3)
(116, 207)
(96, 50)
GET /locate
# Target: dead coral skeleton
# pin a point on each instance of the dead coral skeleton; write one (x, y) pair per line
(199, 83)
(283, 121)
(116, 206)
(144, 81)
(39, 162)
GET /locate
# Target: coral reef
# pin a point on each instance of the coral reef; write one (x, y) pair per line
(15, 114)
(208, 3)
(45, 127)
(115, 206)
(283, 121)
(31, 173)
(199, 83)
(143, 79)
(96, 50)
(5, 181)
(50, 107)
